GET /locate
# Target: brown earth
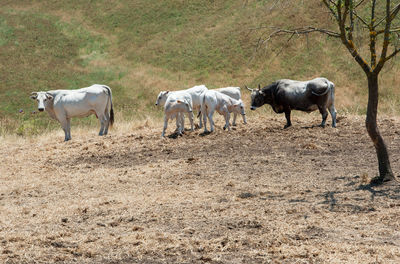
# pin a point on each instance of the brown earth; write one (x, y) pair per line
(257, 194)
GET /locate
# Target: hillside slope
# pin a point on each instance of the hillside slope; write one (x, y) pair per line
(143, 46)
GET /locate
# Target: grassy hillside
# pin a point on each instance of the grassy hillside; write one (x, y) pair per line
(143, 46)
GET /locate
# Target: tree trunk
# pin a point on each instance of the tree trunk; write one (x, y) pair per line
(385, 170)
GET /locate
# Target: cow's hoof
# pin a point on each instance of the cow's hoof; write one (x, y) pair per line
(286, 126)
(224, 128)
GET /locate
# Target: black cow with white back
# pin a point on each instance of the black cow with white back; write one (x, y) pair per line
(286, 95)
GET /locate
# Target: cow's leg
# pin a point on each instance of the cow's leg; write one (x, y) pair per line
(204, 113)
(332, 110)
(165, 125)
(287, 115)
(199, 115)
(69, 128)
(227, 117)
(180, 123)
(65, 124)
(107, 122)
(190, 114)
(102, 124)
(210, 117)
(244, 119)
(324, 113)
(234, 119)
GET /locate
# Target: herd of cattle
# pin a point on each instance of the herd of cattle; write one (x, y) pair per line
(283, 96)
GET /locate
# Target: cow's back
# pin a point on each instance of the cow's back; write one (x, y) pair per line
(233, 92)
(81, 102)
(197, 93)
(294, 95)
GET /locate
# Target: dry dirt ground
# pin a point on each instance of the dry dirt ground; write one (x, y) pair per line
(257, 194)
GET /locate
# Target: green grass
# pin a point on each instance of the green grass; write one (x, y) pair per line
(140, 47)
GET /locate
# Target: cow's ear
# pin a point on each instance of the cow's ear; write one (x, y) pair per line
(33, 95)
(179, 101)
(166, 92)
(49, 96)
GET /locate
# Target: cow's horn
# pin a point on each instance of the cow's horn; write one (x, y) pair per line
(248, 88)
(259, 86)
(33, 95)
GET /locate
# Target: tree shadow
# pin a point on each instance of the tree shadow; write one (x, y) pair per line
(353, 204)
(383, 189)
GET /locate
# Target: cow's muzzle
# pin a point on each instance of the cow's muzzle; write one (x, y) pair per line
(253, 108)
(41, 109)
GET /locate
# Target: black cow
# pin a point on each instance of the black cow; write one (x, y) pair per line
(287, 95)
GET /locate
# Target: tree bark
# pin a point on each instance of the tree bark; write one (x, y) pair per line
(385, 170)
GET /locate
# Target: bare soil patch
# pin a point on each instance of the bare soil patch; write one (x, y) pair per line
(257, 194)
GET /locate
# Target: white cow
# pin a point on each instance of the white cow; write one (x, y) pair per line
(195, 92)
(233, 92)
(223, 104)
(64, 104)
(175, 106)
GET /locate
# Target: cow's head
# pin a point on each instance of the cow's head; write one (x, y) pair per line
(257, 97)
(238, 107)
(162, 97)
(43, 99)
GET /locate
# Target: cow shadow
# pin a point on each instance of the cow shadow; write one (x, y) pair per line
(203, 134)
(314, 126)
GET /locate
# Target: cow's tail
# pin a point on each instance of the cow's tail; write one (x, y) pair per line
(111, 105)
(203, 105)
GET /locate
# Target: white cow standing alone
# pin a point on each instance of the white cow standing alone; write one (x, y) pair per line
(223, 104)
(175, 106)
(64, 104)
(233, 92)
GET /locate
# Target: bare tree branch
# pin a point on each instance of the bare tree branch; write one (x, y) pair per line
(302, 31)
(394, 53)
(360, 18)
(391, 31)
(348, 43)
(372, 36)
(359, 3)
(386, 37)
(393, 14)
(327, 4)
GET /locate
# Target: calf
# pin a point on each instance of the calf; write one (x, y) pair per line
(162, 98)
(233, 92)
(175, 106)
(286, 95)
(223, 104)
(62, 105)
(195, 92)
